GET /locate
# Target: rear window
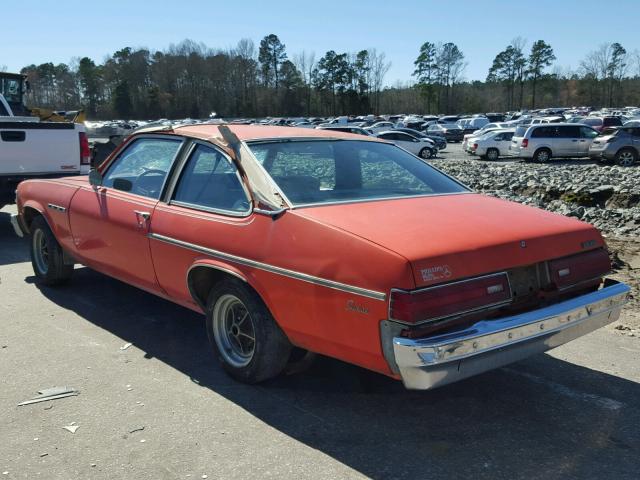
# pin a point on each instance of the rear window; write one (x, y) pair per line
(612, 122)
(520, 131)
(592, 122)
(323, 171)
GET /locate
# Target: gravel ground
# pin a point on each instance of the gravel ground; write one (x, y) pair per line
(606, 196)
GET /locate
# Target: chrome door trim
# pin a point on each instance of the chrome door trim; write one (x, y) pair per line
(271, 268)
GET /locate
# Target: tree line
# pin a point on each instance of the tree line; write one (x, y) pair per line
(192, 80)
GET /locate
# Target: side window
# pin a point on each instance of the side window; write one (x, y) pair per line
(143, 166)
(544, 132)
(498, 138)
(507, 136)
(588, 132)
(3, 111)
(569, 132)
(209, 180)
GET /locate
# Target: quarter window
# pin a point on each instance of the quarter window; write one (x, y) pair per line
(210, 181)
(143, 166)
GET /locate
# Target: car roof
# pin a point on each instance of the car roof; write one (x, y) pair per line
(265, 132)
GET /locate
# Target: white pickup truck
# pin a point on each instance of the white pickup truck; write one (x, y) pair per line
(30, 148)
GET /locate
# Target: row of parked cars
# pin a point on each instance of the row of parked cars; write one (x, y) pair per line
(540, 142)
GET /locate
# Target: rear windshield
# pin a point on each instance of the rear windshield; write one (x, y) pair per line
(612, 122)
(520, 131)
(592, 122)
(323, 171)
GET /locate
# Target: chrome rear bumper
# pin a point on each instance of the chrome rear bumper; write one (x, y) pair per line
(15, 223)
(431, 362)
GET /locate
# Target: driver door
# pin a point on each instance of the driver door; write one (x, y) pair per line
(110, 223)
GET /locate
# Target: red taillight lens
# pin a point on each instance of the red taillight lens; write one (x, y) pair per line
(85, 151)
(569, 271)
(525, 142)
(446, 300)
(475, 146)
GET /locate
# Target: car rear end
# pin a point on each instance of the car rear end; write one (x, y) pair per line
(519, 146)
(450, 331)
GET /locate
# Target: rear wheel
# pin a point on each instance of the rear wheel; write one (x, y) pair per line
(47, 257)
(626, 157)
(492, 154)
(243, 334)
(542, 156)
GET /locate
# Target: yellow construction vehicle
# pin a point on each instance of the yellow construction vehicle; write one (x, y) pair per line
(13, 87)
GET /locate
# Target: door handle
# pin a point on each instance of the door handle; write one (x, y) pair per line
(142, 217)
(574, 140)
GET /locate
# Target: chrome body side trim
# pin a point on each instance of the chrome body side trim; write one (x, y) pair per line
(272, 268)
(58, 208)
(15, 223)
(431, 362)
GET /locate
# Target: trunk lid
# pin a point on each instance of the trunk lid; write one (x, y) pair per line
(451, 237)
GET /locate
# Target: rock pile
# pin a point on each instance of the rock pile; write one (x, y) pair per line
(606, 196)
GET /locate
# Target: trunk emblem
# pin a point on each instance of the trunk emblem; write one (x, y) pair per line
(435, 273)
(523, 244)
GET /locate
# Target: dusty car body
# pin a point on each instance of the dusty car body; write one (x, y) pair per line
(334, 243)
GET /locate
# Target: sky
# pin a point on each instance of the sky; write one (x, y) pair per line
(56, 31)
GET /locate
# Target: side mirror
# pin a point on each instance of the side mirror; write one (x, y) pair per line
(95, 178)
(123, 184)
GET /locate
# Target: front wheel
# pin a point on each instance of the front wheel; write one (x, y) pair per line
(47, 257)
(243, 334)
(426, 153)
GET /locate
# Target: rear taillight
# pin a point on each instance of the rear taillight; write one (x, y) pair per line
(570, 271)
(525, 142)
(85, 151)
(475, 146)
(446, 300)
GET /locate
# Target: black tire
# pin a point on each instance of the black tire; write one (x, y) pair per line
(426, 153)
(626, 157)
(542, 155)
(270, 350)
(47, 257)
(492, 154)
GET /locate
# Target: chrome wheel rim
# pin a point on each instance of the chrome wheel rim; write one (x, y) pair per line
(425, 153)
(40, 252)
(543, 156)
(625, 159)
(233, 331)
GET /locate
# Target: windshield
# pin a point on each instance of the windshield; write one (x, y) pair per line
(322, 171)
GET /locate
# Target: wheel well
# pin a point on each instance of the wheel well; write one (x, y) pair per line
(202, 278)
(28, 215)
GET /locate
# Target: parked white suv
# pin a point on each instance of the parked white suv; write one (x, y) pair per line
(543, 141)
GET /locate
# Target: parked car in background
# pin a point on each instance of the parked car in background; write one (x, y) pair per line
(290, 239)
(381, 126)
(489, 127)
(471, 125)
(451, 131)
(598, 123)
(493, 145)
(347, 129)
(621, 146)
(542, 142)
(419, 146)
(448, 119)
(496, 117)
(439, 142)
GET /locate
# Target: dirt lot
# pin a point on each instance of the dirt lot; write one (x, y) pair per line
(162, 409)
